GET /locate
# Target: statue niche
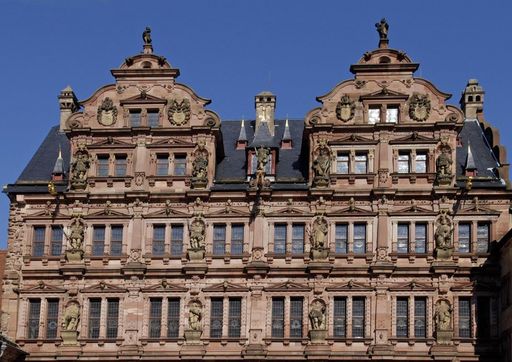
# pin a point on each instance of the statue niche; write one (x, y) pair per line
(262, 158)
(195, 315)
(318, 239)
(79, 167)
(322, 165)
(197, 231)
(75, 239)
(443, 321)
(444, 165)
(70, 321)
(317, 319)
(443, 236)
(200, 166)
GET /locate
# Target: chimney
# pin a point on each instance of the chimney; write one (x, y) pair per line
(265, 104)
(472, 100)
(68, 105)
(286, 141)
(241, 142)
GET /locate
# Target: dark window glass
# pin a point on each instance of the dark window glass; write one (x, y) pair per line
(342, 163)
(403, 163)
(155, 317)
(402, 317)
(237, 239)
(158, 240)
(33, 318)
(341, 238)
(94, 317)
(464, 237)
(116, 240)
(180, 163)
(340, 317)
(219, 239)
(358, 309)
(52, 318)
(135, 117)
(420, 317)
(56, 240)
(98, 240)
(153, 118)
(420, 238)
(112, 317)
(465, 317)
(482, 238)
(297, 238)
(483, 317)
(235, 317)
(278, 317)
(173, 318)
(296, 305)
(102, 166)
(359, 238)
(120, 165)
(402, 242)
(421, 162)
(176, 240)
(216, 315)
(38, 240)
(280, 239)
(162, 165)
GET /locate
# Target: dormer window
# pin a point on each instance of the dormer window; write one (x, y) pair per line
(135, 117)
(254, 163)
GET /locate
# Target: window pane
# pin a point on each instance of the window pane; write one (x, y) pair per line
(465, 317)
(403, 163)
(358, 317)
(297, 238)
(120, 165)
(340, 317)
(482, 238)
(135, 117)
(402, 245)
(38, 241)
(360, 166)
(464, 237)
(278, 317)
(158, 240)
(420, 317)
(254, 163)
(217, 306)
(421, 163)
(155, 317)
(237, 239)
(359, 238)
(116, 240)
(235, 317)
(176, 240)
(173, 318)
(52, 318)
(102, 166)
(180, 162)
(56, 240)
(162, 165)
(402, 317)
(280, 239)
(98, 240)
(153, 118)
(33, 318)
(341, 238)
(94, 318)
(342, 165)
(296, 305)
(420, 238)
(392, 115)
(112, 317)
(373, 115)
(219, 239)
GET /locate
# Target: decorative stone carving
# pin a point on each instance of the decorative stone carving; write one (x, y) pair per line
(79, 167)
(317, 319)
(139, 178)
(443, 321)
(200, 166)
(444, 164)
(70, 321)
(322, 165)
(345, 109)
(318, 238)
(262, 156)
(75, 239)
(135, 256)
(382, 28)
(178, 112)
(146, 36)
(107, 112)
(195, 315)
(419, 107)
(197, 237)
(443, 236)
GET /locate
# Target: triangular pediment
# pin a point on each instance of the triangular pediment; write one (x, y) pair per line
(42, 288)
(143, 97)
(111, 142)
(288, 287)
(478, 210)
(351, 211)
(167, 212)
(412, 285)
(106, 214)
(225, 287)
(413, 210)
(349, 286)
(173, 141)
(229, 211)
(103, 288)
(414, 137)
(351, 139)
(48, 213)
(385, 93)
(289, 211)
(473, 286)
(164, 286)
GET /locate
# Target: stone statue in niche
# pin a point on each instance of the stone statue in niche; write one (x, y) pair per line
(146, 36)
(318, 238)
(79, 167)
(197, 231)
(317, 315)
(262, 158)
(194, 316)
(322, 165)
(178, 112)
(345, 109)
(444, 165)
(75, 239)
(71, 317)
(200, 166)
(443, 321)
(382, 28)
(443, 236)
(419, 107)
(107, 112)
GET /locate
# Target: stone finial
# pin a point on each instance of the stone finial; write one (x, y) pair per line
(146, 37)
(382, 28)
(472, 100)
(470, 166)
(68, 104)
(58, 168)
(286, 141)
(241, 142)
(265, 104)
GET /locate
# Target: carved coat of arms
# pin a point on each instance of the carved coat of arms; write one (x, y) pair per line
(178, 112)
(419, 107)
(345, 109)
(107, 112)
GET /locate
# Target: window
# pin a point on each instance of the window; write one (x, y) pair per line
(374, 115)
(361, 163)
(180, 162)
(342, 163)
(237, 239)
(402, 244)
(254, 163)
(176, 240)
(153, 118)
(402, 317)
(116, 240)
(33, 318)
(296, 305)
(482, 238)
(359, 238)
(341, 238)
(135, 117)
(358, 320)
(94, 317)
(420, 238)
(162, 165)
(277, 317)
(340, 317)
(219, 239)
(120, 165)
(235, 317)
(280, 239)
(102, 166)
(392, 114)
(38, 240)
(112, 317)
(421, 162)
(173, 317)
(98, 240)
(155, 317)
(403, 163)
(158, 240)
(297, 238)
(56, 240)
(52, 318)
(420, 317)
(216, 316)
(465, 317)
(464, 237)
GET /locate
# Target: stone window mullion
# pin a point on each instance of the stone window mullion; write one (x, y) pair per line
(163, 321)
(473, 235)
(286, 317)
(455, 236)
(108, 235)
(288, 239)
(47, 240)
(412, 237)
(227, 241)
(167, 239)
(348, 330)
(351, 237)
(394, 238)
(410, 317)
(103, 318)
(225, 316)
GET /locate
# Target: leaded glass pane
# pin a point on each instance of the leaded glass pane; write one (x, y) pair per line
(464, 237)
(116, 240)
(38, 240)
(120, 166)
(153, 118)
(482, 238)
(421, 163)
(465, 317)
(297, 238)
(94, 317)
(180, 162)
(235, 317)
(373, 115)
(162, 165)
(112, 317)
(173, 318)
(135, 117)
(340, 317)
(56, 240)
(217, 307)
(359, 238)
(402, 317)
(158, 240)
(52, 318)
(420, 238)
(342, 163)
(237, 239)
(280, 239)
(420, 317)
(155, 317)
(403, 163)
(402, 243)
(102, 166)
(176, 240)
(361, 164)
(98, 240)
(341, 238)
(392, 115)
(296, 305)
(278, 317)
(33, 318)
(219, 239)
(358, 309)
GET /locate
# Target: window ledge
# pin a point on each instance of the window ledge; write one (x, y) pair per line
(349, 341)
(412, 340)
(226, 340)
(286, 340)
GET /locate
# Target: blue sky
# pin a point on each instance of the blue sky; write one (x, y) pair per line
(230, 50)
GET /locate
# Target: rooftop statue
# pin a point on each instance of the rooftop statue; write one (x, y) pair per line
(382, 28)
(146, 36)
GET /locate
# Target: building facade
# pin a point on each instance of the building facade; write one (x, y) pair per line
(145, 228)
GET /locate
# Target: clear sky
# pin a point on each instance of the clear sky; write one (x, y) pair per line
(230, 50)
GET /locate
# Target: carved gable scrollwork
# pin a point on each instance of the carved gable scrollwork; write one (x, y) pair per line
(107, 112)
(345, 109)
(419, 107)
(178, 112)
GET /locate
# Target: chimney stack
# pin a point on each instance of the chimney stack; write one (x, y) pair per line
(472, 100)
(265, 104)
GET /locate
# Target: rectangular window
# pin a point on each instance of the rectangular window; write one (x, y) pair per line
(158, 240)
(180, 163)
(403, 163)
(359, 238)
(482, 237)
(176, 240)
(120, 165)
(216, 316)
(102, 166)
(373, 115)
(219, 239)
(342, 163)
(402, 317)
(112, 317)
(38, 240)
(483, 317)
(116, 240)
(235, 317)
(421, 162)
(280, 239)
(464, 237)
(52, 318)
(34, 311)
(341, 238)
(155, 317)
(465, 317)
(358, 320)
(420, 238)
(420, 317)
(297, 238)
(402, 239)
(237, 239)
(340, 317)
(94, 317)
(135, 117)
(277, 317)
(392, 114)
(296, 305)
(361, 163)
(98, 240)
(153, 118)
(56, 240)
(173, 318)
(162, 165)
